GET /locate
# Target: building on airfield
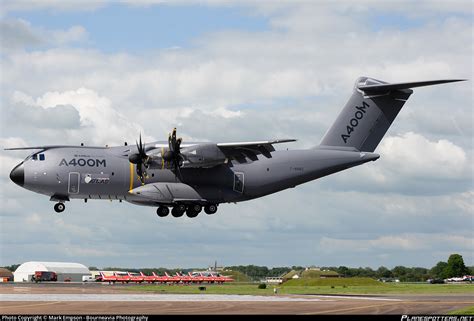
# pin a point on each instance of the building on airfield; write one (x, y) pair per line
(65, 271)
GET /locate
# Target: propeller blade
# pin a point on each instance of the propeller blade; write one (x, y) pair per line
(140, 159)
(178, 171)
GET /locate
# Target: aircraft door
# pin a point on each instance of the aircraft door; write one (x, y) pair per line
(239, 182)
(73, 186)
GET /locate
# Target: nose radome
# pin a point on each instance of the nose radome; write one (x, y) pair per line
(18, 175)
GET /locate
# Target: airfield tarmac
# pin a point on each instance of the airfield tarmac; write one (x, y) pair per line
(70, 298)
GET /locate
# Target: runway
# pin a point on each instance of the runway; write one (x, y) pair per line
(81, 299)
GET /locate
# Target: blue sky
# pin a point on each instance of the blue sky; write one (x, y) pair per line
(238, 73)
(128, 28)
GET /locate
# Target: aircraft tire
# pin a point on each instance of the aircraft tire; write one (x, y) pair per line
(197, 208)
(177, 212)
(162, 211)
(210, 209)
(59, 207)
(190, 212)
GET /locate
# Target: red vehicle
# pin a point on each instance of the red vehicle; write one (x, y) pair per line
(160, 279)
(106, 278)
(215, 278)
(186, 279)
(197, 278)
(172, 279)
(122, 277)
(135, 277)
(222, 278)
(149, 278)
(41, 276)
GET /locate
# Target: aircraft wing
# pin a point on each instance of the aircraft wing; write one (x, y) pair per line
(50, 147)
(242, 150)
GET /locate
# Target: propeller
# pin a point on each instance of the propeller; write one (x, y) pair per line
(141, 160)
(173, 154)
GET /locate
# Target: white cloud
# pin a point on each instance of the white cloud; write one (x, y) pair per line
(413, 155)
(73, 34)
(405, 242)
(100, 122)
(20, 34)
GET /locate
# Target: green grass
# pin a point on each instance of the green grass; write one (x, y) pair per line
(252, 289)
(467, 310)
(237, 276)
(317, 274)
(332, 282)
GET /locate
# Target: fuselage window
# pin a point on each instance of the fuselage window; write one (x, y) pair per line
(41, 157)
(34, 157)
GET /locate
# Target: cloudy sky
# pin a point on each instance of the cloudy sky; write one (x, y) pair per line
(101, 72)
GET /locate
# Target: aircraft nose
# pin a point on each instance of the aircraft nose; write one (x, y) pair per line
(18, 175)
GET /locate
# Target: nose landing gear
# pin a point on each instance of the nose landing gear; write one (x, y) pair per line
(59, 207)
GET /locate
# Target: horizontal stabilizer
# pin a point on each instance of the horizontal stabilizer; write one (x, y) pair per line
(404, 85)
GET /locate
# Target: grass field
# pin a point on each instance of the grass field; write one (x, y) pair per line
(333, 282)
(252, 289)
(464, 311)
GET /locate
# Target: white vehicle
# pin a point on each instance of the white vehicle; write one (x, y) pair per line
(88, 278)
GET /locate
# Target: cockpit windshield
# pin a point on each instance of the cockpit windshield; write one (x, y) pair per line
(37, 156)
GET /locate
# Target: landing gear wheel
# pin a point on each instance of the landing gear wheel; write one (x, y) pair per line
(193, 210)
(191, 213)
(178, 210)
(197, 208)
(163, 211)
(210, 209)
(59, 207)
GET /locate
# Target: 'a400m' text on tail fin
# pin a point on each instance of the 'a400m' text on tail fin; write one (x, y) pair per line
(370, 111)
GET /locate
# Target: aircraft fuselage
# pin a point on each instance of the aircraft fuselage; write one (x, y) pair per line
(104, 173)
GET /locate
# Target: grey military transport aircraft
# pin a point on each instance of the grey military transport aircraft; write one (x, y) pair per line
(188, 177)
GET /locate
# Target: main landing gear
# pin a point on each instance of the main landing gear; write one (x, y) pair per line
(191, 210)
(59, 207)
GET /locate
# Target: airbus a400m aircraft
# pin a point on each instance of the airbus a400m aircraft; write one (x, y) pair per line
(188, 177)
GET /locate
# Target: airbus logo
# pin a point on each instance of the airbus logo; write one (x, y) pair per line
(354, 122)
(83, 162)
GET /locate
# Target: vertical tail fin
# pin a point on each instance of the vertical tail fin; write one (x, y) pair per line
(370, 111)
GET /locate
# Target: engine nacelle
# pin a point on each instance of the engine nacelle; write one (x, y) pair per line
(203, 155)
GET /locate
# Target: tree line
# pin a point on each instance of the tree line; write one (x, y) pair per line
(454, 267)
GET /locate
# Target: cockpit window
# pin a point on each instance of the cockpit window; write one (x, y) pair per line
(36, 157)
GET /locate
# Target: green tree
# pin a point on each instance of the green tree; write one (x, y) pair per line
(439, 270)
(344, 271)
(12, 267)
(400, 272)
(383, 272)
(455, 266)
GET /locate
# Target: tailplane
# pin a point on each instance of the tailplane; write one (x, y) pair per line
(370, 111)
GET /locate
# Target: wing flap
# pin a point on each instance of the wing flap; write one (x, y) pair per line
(243, 151)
